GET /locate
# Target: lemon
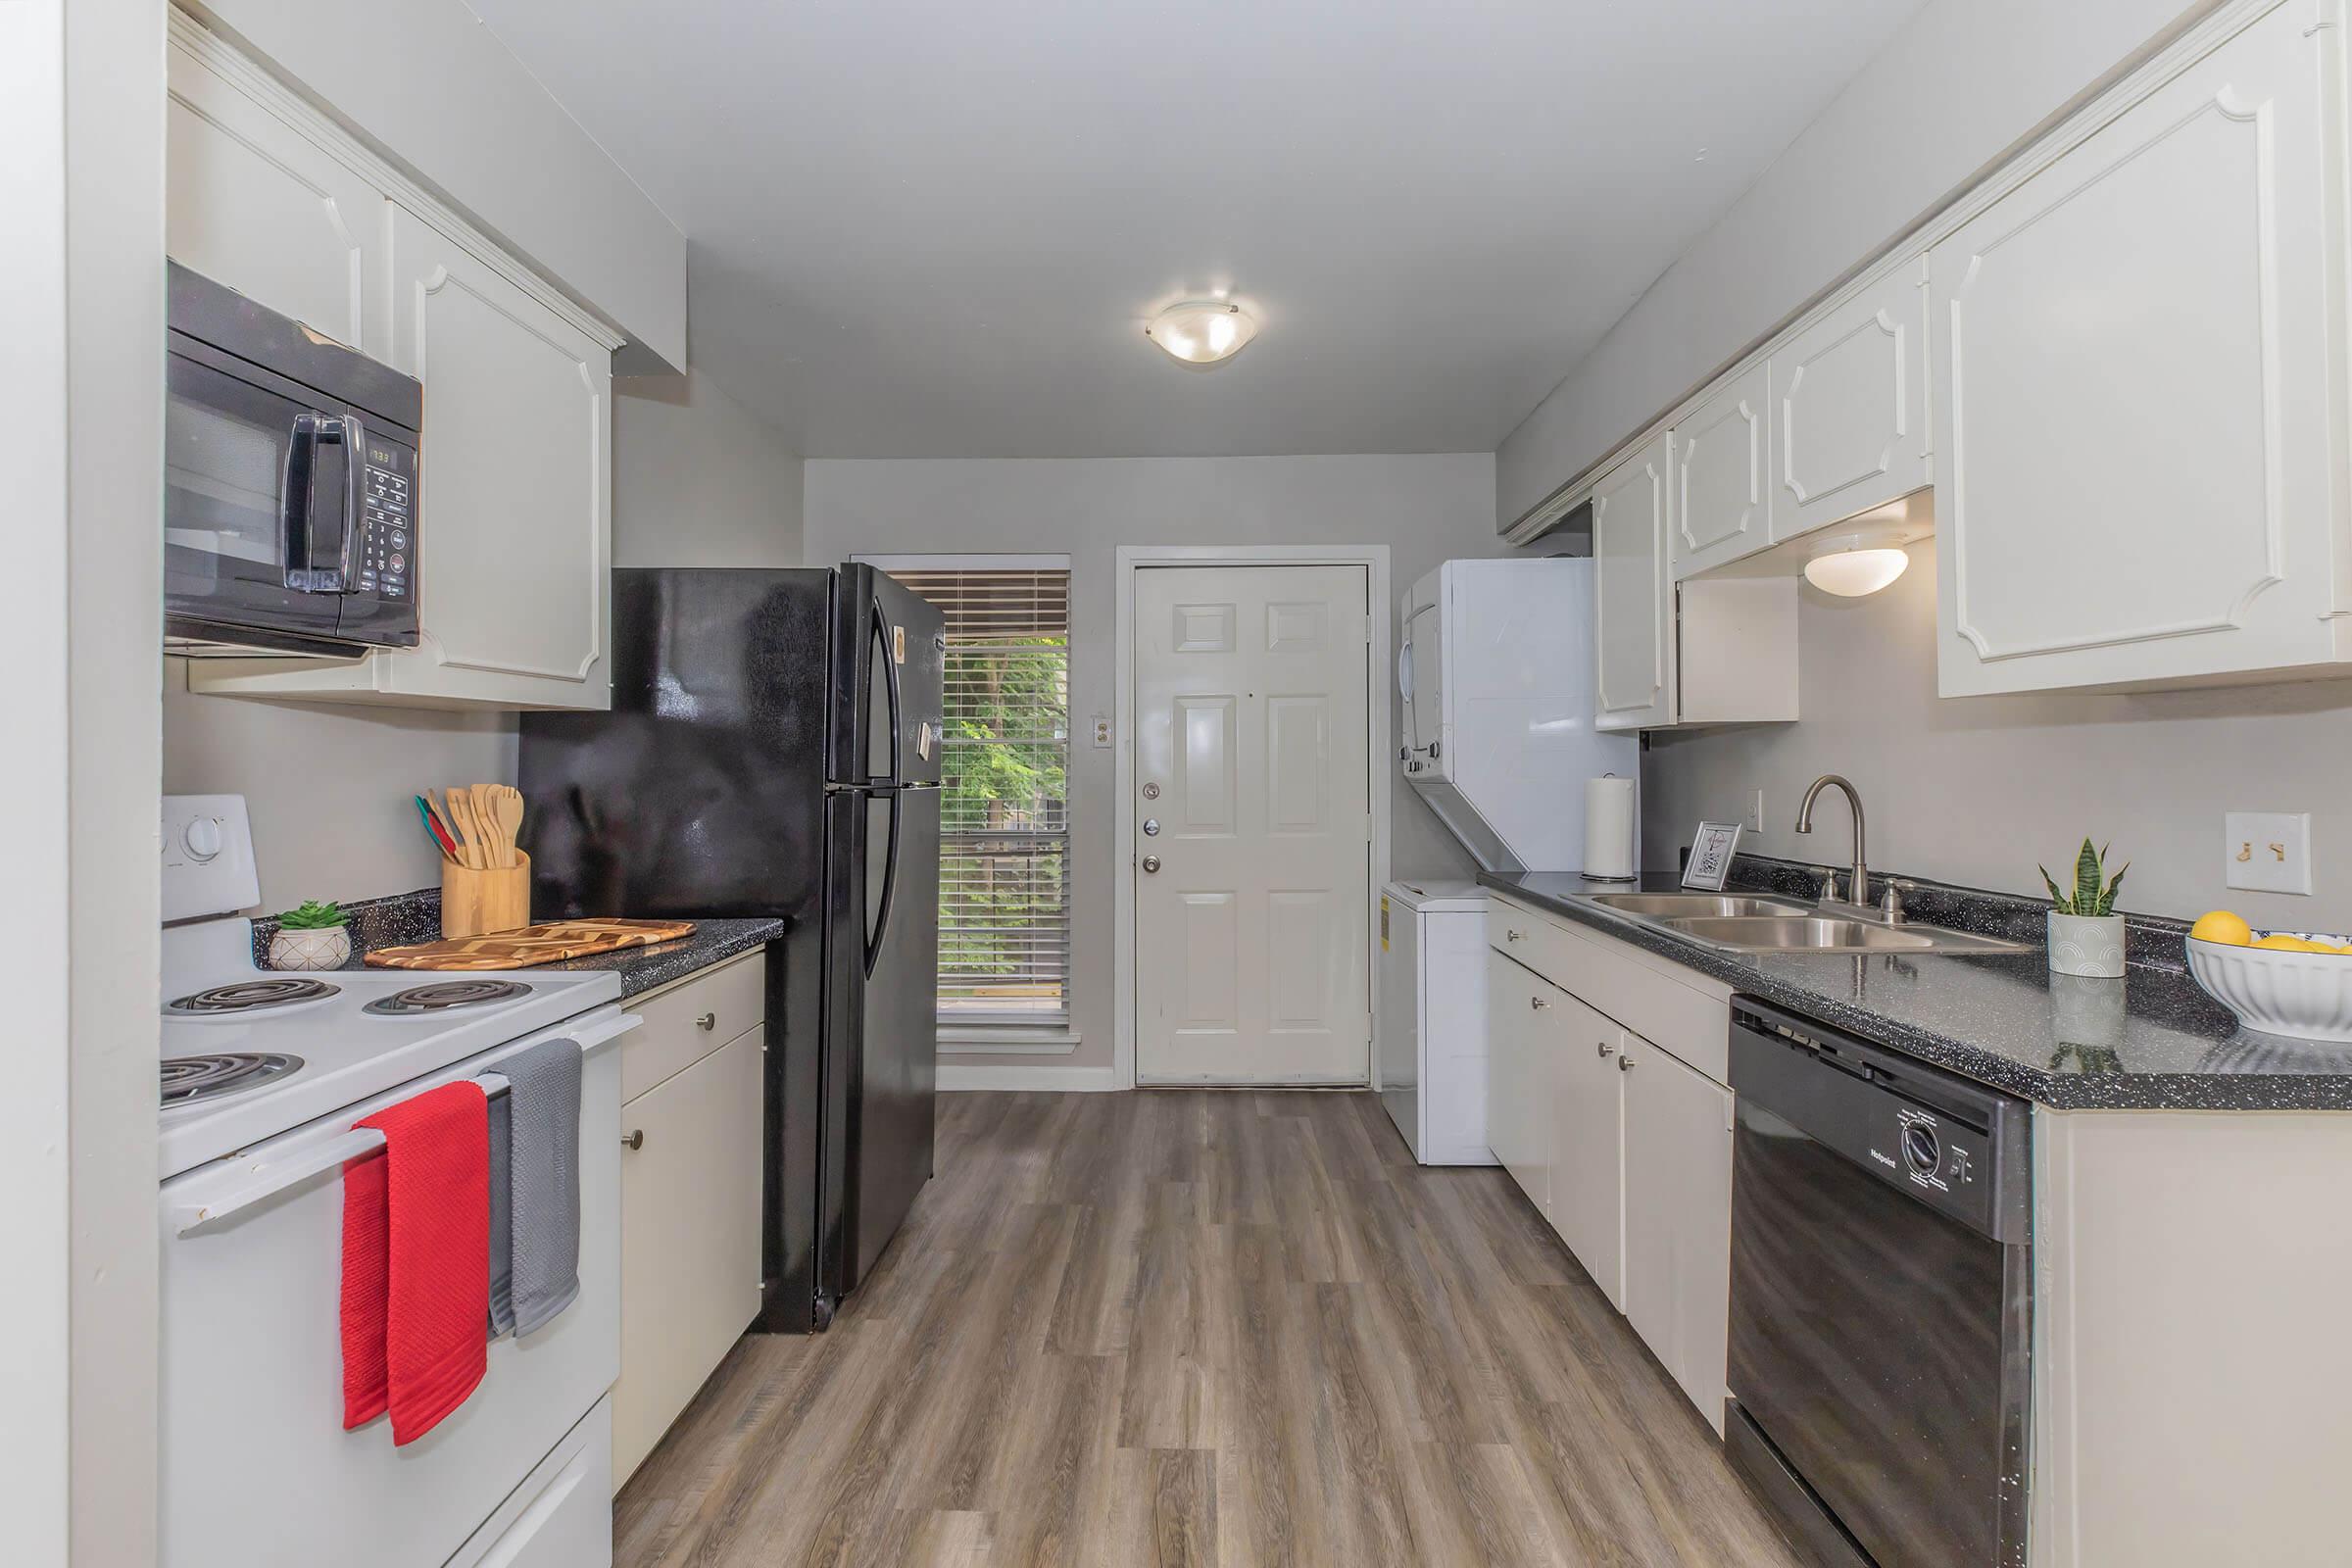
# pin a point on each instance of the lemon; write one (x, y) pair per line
(2219, 925)
(2289, 944)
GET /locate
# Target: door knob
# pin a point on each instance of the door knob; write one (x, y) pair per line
(1150, 862)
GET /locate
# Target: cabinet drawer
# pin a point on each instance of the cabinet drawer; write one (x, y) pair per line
(561, 1515)
(689, 1239)
(673, 1036)
(1688, 1017)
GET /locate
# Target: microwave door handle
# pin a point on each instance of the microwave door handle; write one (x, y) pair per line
(355, 443)
(298, 505)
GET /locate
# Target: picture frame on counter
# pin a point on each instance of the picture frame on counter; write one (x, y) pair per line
(1711, 850)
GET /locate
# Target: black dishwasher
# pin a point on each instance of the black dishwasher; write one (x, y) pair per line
(1880, 1292)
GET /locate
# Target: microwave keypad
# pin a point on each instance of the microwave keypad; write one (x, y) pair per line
(384, 546)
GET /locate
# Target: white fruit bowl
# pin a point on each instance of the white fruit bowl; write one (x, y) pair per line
(2305, 995)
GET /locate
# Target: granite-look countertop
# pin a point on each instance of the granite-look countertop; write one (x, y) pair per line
(2153, 1039)
(713, 942)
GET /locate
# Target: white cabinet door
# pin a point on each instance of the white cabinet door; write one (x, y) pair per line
(253, 204)
(689, 1239)
(514, 530)
(1719, 476)
(1678, 1220)
(1518, 1075)
(1633, 591)
(1851, 407)
(2132, 434)
(1588, 1133)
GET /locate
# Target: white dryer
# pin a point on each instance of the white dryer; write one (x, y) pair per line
(1497, 677)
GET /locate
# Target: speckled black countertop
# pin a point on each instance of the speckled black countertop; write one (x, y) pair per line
(407, 918)
(713, 942)
(2153, 1039)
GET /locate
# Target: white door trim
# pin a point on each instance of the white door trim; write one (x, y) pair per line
(1129, 559)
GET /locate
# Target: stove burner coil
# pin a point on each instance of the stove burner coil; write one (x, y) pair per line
(249, 995)
(444, 994)
(188, 1079)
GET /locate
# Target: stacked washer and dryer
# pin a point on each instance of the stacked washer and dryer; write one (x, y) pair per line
(1496, 684)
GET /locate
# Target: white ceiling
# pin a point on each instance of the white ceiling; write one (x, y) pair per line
(932, 229)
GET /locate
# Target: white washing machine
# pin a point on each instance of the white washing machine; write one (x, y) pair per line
(1433, 1019)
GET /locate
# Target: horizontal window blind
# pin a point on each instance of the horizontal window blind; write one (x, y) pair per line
(1004, 825)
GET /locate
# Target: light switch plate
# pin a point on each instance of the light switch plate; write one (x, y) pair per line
(2267, 851)
(1101, 729)
(1755, 814)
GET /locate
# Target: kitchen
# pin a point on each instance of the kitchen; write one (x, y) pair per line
(1662, 647)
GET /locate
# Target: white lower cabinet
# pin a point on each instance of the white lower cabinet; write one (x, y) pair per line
(1625, 1147)
(1519, 1075)
(1588, 1207)
(1678, 1218)
(690, 1188)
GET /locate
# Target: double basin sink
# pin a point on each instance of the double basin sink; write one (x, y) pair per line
(1734, 924)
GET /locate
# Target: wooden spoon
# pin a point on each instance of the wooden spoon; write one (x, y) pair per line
(507, 808)
(461, 815)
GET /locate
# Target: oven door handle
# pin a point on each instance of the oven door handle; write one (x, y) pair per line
(266, 1177)
(297, 506)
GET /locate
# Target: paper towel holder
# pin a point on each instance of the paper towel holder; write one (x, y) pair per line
(1632, 871)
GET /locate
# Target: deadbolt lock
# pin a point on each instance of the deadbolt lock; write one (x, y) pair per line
(1150, 827)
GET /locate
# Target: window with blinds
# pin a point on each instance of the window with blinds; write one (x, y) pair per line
(1005, 822)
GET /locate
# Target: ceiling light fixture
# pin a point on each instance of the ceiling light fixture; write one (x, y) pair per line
(1845, 569)
(1202, 331)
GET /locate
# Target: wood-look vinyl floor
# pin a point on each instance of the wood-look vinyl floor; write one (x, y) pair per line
(1198, 1328)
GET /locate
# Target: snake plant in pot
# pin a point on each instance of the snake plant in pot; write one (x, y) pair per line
(2086, 935)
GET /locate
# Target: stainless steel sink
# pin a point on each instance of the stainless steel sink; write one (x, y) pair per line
(1666, 905)
(1818, 933)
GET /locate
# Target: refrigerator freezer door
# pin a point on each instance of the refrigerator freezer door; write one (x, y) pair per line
(891, 648)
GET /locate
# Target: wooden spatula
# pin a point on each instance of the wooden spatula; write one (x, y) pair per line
(506, 807)
(469, 837)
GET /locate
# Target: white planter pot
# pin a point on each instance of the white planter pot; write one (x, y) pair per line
(2090, 945)
(329, 948)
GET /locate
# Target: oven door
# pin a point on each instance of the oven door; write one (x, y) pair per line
(288, 518)
(257, 1470)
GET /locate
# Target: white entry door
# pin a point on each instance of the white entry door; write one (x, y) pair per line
(1254, 824)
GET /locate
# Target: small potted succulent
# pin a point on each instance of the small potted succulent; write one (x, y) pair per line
(2086, 935)
(312, 937)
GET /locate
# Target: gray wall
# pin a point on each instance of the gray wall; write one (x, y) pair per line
(1962, 84)
(696, 481)
(1976, 790)
(1425, 509)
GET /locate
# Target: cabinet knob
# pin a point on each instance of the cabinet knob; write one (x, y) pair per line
(708, 1020)
(634, 1137)
(1509, 935)
(1606, 1048)
(1625, 1064)
(1538, 1003)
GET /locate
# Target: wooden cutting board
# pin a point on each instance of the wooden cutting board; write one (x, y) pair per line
(529, 945)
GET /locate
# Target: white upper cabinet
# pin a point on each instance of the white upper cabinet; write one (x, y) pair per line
(2136, 464)
(1719, 476)
(1849, 406)
(1632, 612)
(253, 203)
(513, 524)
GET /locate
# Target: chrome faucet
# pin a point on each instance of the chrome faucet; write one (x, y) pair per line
(1858, 891)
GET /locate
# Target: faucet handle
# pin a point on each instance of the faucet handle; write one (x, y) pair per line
(1891, 906)
(1830, 892)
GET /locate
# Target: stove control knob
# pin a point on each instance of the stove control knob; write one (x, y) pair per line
(1922, 1151)
(202, 837)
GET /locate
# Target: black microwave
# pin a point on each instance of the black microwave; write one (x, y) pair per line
(290, 484)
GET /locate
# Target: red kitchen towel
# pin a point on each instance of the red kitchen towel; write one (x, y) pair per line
(417, 1261)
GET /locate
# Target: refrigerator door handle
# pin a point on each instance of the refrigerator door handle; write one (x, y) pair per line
(885, 653)
(889, 889)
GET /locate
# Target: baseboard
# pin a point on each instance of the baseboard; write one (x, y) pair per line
(962, 1076)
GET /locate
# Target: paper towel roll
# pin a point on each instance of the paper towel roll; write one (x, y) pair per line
(1609, 828)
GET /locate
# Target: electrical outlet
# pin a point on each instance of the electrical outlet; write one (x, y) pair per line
(1101, 729)
(2267, 851)
(1755, 815)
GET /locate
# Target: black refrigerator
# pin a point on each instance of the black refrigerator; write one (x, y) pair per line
(773, 749)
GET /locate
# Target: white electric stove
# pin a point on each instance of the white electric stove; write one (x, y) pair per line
(264, 1076)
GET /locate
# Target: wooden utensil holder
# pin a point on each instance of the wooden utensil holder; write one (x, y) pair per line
(476, 903)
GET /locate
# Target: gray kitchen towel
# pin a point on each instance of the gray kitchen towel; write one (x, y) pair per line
(543, 1179)
(502, 1224)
